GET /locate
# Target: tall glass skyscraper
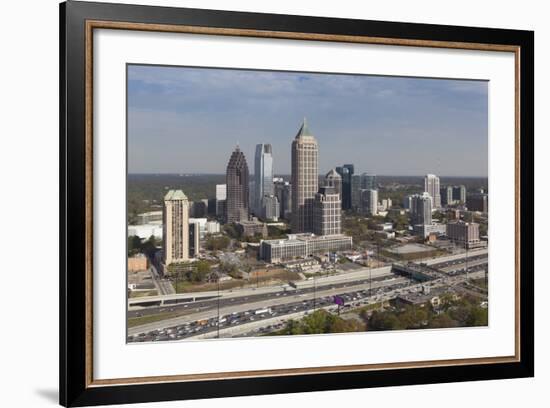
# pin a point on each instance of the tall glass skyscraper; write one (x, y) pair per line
(263, 175)
(304, 179)
(346, 172)
(237, 187)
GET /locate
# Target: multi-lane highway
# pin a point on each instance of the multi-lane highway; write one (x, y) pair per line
(236, 312)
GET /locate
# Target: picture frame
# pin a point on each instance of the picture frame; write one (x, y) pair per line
(79, 20)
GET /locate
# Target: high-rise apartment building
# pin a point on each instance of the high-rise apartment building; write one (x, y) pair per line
(346, 173)
(304, 179)
(237, 187)
(431, 186)
(459, 194)
(327, 212)
(175, 232)
(446, 194)
(263, 175)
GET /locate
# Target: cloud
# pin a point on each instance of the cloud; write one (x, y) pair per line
(177, 116)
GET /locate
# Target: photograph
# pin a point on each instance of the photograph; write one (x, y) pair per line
(265, 203)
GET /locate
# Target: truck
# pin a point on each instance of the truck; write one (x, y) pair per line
(263, 311)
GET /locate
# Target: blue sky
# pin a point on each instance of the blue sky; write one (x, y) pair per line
(188, 120)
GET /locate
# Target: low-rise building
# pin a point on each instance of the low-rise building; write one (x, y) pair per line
(145, 231)
(251, 228)
(425, 230)
(149, 217)
(212, 227)
(465, 234)
(301, 246)
(137, 263)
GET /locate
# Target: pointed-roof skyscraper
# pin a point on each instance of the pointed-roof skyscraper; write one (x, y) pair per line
(237, 187)
(304, 178)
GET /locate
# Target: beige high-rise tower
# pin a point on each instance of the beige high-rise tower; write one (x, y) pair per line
(304, 179)
(175, 232)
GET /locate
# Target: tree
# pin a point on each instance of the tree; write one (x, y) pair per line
(441, 321)
(134, 245)
(217, 243)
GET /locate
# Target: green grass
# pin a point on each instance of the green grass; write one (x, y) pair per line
(138, 294)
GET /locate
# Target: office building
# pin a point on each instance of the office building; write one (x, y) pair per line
(283, 191)
(212, 227)
(407, 201)
(369, 202)
(198, 209)
(194, 238)
(149, 217)
(175, 227)
(346, 173)
(431, 186)
(421, 209)
(263, 175)
(250, 228)
(304, 179)
(145, 231)
(465, 234)
(364, 181)
(327, 212)
(237, 179)
(270, 208)
(302, 246)
(221, 196)
(333, 179)
(425, 230)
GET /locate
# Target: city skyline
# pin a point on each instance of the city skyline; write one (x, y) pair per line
(459, 104)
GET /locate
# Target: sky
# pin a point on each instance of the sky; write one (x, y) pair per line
(189, 120)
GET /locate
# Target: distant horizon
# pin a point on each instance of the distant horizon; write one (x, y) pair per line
(186, 120)
(288, 174)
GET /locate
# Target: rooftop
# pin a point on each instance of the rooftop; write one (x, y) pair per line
(175, 195)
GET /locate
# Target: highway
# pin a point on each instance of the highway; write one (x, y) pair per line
(138, 304)
(238, 309)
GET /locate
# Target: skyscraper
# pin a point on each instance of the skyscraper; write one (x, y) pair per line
(369, 201)
(263, 175)
(283, 191)
(305, 179)
(446, 194)
(421, 209)
(270, 208)
(237, 187)
(221, 197)
(175, 227)
(194, 239)
(459, 194)
(333, 179)
(346, 173)
(431, 186)
(327, 212)
(360, 182)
